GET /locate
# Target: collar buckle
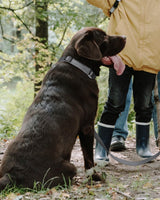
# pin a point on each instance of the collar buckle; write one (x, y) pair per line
(68, 59)
(91, 75)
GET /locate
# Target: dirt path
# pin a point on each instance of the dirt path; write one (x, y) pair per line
(121, 181)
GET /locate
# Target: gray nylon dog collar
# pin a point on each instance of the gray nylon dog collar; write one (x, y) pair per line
(79, 65)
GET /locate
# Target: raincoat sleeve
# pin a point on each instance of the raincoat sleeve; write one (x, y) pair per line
(105, 5)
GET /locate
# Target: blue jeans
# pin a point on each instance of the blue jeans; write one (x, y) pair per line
(154, 108)
(121, 126)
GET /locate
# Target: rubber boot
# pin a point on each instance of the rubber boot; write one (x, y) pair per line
(105, 132)
(142, 140)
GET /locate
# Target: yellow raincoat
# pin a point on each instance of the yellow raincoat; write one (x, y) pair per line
(139, 21)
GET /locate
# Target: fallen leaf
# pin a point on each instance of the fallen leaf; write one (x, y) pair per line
(98, 186)
(147, 185)
(51, 191)
(66, 195)
(13, 196)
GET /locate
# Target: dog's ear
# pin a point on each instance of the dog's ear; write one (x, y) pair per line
(87, 47)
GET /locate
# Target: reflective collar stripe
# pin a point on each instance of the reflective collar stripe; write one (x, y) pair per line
(115, 5)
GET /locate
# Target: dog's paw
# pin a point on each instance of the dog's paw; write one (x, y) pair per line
(93, 175)
(96, 177)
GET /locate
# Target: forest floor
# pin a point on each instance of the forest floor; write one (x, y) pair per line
(121, 181)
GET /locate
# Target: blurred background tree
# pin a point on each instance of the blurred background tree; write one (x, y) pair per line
(33, 35)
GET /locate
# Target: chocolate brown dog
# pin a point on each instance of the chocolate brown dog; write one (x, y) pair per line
(64, 108)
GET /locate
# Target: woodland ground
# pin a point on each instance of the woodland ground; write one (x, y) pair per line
(121, 181)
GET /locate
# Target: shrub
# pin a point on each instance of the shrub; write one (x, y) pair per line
(13, 106)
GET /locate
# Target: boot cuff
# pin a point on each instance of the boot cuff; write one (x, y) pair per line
(106, 125)
(143, 123)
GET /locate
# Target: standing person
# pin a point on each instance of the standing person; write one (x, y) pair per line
(139, 22)
(120, 132)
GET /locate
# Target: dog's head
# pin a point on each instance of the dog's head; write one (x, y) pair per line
(95, 44)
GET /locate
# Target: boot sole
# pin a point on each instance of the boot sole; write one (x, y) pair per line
(117, 147)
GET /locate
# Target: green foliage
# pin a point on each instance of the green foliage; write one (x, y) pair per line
(103, 90)
(131, 119)
(13, 106)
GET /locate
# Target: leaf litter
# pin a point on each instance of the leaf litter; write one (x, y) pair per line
(122, 182)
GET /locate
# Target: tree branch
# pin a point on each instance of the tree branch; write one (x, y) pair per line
(64, 32)
(14, 12)
(12, 41)
(22, 22)
(24, 6)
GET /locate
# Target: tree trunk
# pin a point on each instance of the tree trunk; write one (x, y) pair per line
(41, 7)
(157, 103)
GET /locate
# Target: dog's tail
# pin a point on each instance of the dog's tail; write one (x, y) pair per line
(4, 181)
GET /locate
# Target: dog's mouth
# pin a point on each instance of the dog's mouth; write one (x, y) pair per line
(116, 61)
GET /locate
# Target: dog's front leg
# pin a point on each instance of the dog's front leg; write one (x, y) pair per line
(86, 140)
